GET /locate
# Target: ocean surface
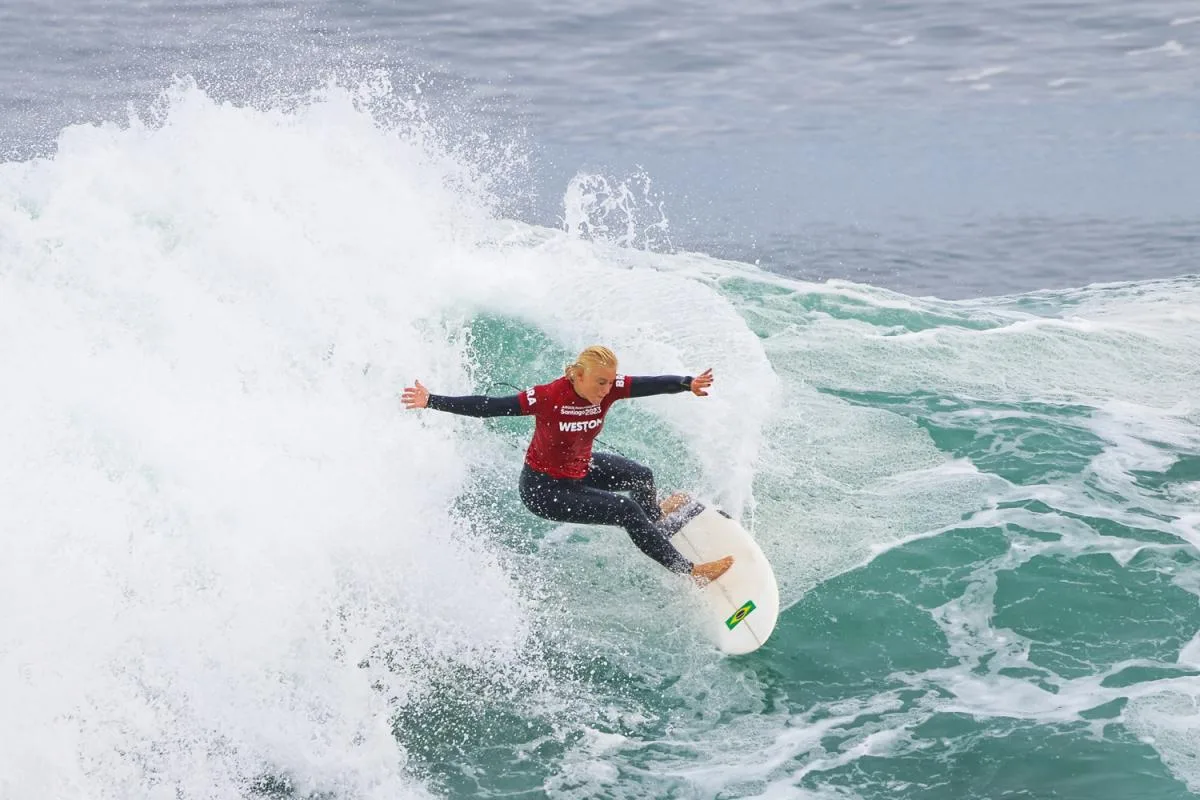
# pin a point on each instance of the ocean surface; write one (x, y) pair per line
(943, 257)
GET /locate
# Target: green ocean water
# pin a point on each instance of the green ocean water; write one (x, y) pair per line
(984, 525)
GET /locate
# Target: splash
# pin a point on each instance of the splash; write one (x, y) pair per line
(233, 565)
(218, 520)
(627, 213)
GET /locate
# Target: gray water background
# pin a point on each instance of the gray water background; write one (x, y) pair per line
(937, 147)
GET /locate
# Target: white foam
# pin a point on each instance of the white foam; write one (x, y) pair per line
(1170, 722)
(1136, 436)
(778, 753)
(1114, 346)
(216, 511)
(1189, 655)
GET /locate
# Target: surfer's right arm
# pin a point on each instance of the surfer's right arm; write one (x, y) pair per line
(470, 406)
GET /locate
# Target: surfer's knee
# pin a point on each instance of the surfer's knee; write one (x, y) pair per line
(628, 512)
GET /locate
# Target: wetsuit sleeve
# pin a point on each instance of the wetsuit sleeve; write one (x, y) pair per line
(646, 385)
(478, 405)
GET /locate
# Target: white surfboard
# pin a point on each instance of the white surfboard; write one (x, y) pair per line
(742, 606)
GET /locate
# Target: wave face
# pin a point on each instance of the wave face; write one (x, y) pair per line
(235, 567)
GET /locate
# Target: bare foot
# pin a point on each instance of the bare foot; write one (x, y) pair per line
(673, 503)
(706, 573)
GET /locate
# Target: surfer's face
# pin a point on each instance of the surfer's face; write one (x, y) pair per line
(594, 384)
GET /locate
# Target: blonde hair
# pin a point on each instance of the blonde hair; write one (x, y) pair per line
(592, 357)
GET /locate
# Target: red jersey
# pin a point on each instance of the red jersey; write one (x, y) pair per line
(566, 426)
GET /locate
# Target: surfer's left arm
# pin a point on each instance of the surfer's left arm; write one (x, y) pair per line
(646, 385)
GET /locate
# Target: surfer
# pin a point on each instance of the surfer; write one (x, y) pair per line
(562, 479)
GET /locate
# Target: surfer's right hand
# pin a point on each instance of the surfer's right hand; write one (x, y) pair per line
(415, 396)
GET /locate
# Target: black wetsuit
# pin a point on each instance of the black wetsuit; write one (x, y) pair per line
(591, 499)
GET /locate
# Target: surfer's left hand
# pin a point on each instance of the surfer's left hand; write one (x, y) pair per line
(701, 382)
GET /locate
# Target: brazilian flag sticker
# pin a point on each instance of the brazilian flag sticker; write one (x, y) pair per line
(740, 615)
